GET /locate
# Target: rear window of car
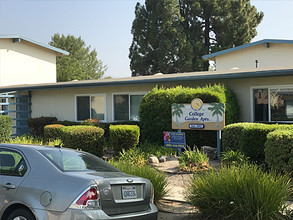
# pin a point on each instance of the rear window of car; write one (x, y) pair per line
(76, 161)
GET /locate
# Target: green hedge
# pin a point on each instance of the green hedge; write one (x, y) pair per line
(5, 127)
(249, 138)
(37, 125)
(53, 132)
(231, 136)
(155, 111)
(124, 137)
(86, 138)
(279, 151)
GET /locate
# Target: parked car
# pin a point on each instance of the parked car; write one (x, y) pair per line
(53, 183)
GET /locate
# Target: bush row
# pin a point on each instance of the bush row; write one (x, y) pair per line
(5, 127)
(249, 138)
(155, 111)
(37, 125)
(91, 138)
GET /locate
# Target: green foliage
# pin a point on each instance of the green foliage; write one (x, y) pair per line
(86, 138)
(239, 193)
(231, 136)
(124, 137)
(279, 151)
(249, 138)
(158, 179)
(106, 126)
(134, 156)
(80, 64)
(172, 36)
(155, 111)
(149, 148)
(159, 42)
(91, 122)
(28, 139)
(53, 132)
(5, 127)
(193, 160)
(233, 158)
(37, 125)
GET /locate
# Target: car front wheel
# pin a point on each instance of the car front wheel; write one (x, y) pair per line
(21, 214)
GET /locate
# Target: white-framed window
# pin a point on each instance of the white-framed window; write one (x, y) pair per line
(90, 106)
(272, 103)
(126, 106)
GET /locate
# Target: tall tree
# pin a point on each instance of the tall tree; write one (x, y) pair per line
(159, 43)
(224, 23)
(80, 64)
(202, 27)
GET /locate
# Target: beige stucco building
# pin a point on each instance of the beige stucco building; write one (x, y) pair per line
(24, 61)
(264, 94)
(267, 53)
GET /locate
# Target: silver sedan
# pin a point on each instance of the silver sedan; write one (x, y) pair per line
(52, 183)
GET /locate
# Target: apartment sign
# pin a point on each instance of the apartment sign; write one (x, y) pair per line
(198, 116)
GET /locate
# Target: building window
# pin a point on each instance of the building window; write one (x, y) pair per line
(273, 104)
(126, 107)
(90, 107)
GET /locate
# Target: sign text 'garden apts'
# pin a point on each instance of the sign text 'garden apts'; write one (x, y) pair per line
(198, 115)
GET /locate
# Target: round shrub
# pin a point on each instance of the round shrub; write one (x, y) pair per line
(124, 137)
(5, 127)
(86, 138)
(53, 132)
(238, 193)
(279, 151)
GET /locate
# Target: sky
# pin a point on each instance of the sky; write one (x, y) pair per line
(105, 25)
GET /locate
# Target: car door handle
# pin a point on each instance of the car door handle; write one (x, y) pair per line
(8, 186)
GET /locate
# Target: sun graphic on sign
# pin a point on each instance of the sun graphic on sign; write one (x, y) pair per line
(196, 104)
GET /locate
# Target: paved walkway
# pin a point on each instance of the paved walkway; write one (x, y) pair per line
(174, 206)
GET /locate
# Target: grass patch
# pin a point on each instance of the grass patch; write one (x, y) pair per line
(238, 193)
(193, 160)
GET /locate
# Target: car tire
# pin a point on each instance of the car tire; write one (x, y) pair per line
(21, 214)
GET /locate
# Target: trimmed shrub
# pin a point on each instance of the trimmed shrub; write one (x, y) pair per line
(5, 127)
(158, 179)
(279, 151)
(53, 132)
(249, 138)
(86, 138)
(124, 137)
(91, 122)
(37, 125)
(231, 136)
(155, 111)
(238, 193)
(106, 126)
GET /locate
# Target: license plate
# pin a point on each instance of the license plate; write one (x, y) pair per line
(129, 192)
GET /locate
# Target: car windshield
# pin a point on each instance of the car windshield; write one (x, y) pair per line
(76, 161)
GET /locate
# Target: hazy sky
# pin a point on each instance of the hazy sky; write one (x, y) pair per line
(106, 24)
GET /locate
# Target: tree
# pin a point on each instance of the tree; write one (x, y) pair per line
(80, 64)
(159, 43)
(204, 26)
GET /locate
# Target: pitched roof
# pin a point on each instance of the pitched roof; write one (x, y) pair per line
(18, 38)
(155, 79)
(264, 41)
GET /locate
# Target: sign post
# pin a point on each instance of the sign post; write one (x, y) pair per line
(199, 116)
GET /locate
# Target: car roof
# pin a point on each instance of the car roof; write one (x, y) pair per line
(31, 146)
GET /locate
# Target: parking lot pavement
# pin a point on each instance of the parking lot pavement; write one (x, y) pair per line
(174, 216)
